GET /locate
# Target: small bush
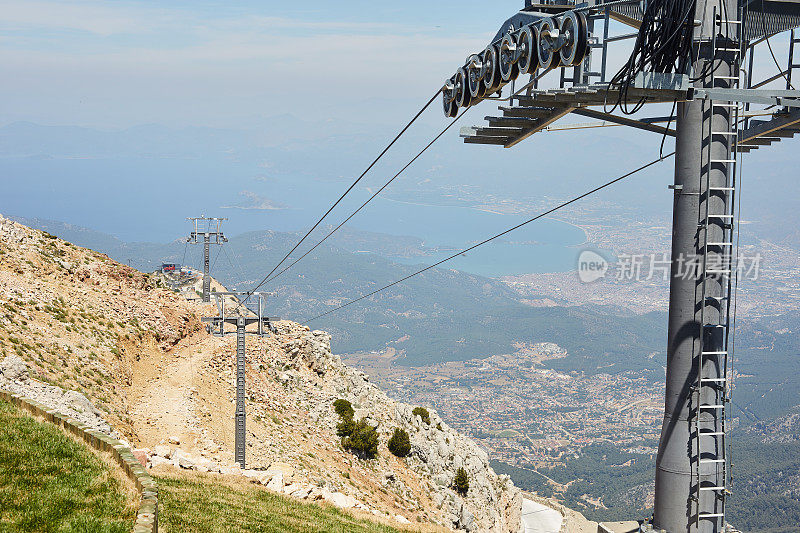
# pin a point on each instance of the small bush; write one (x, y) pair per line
(363, 441)
(422, 413)
(400, 444)
(343, 408)
(461, 482)
(345, 427)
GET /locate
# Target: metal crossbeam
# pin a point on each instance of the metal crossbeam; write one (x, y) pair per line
(625, 121)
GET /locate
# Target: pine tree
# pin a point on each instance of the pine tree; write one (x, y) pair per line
(461, 482)
(400, 443)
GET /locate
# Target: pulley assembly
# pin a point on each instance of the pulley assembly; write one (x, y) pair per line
(546, 43)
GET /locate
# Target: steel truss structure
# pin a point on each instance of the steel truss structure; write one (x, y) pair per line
(213, 231)
(241, 318)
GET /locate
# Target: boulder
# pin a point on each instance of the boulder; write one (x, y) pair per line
(285, 468)
(183, 459)
(156, 461)
(14, 368)
(162, 450)
(342, 501)
(276, 482)
(141, 455)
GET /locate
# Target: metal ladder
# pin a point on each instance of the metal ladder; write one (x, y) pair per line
(711, 390)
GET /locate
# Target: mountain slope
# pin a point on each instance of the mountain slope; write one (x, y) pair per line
(138, 352)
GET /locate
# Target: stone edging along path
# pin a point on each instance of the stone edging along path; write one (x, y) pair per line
(147, 516)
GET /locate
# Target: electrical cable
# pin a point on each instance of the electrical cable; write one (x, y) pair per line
(664, 44)
(419, 154)
(498, 235)
(350, 188)
(732, 350)
(766, 38)
(236, 268)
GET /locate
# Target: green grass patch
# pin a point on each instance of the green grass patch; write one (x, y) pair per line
(208, 504)
(49, 482)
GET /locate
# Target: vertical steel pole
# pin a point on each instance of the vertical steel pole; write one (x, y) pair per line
(240, 412)
(701, 174)
(206, 268)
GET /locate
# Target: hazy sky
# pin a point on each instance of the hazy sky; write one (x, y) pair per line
(121, 63)
(352, 72)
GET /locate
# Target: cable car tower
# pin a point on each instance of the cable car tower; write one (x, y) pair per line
(208, 234)
(697, 56)
(241, 317)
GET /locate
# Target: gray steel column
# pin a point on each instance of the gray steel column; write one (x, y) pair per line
(206, 268)
(673, 464)
(240, 412)
(678, 499)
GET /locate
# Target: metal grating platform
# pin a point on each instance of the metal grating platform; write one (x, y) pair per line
(541, 108)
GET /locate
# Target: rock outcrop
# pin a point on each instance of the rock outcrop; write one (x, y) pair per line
(492, 503)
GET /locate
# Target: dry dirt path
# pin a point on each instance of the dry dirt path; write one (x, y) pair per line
(164, 394)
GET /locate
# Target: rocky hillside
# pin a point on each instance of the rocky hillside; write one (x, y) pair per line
(136, 359)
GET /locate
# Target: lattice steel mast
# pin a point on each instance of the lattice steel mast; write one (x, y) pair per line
(209, 234)
(242, 318)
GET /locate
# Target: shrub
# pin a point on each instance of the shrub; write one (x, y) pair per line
(422, 413)
(400, 444)
(343, 408)
(461, 482)
(363, 441)
(345, 427)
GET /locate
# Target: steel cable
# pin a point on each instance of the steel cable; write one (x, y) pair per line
(350, 188)
(485, 241)
(419, 154)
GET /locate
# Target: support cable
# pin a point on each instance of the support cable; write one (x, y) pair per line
(334, 230)
(766, 38)
(509, 230)
(350, 188)
(732, 350)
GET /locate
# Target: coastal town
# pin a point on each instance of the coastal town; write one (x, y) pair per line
(525, 414)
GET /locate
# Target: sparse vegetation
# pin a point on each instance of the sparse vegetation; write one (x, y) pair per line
(48, 482)
(192, 502)
(422, 413)
(461, 482)
(400, 443)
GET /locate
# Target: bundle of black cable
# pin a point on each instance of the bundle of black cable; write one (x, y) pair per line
(664, 44)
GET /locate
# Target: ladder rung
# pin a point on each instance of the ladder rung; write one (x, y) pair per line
(719, 244)
(716, 297)
(714, 104)
(724, 133)
(720, 271)
(712, 488)
(712, 406)
(726, 77)
(714, 380)
(720, 216)
(720, 22)
(728, 49)
(712, 432)
(714, 326)
(720, 188)
(711, 515)
(722, 160)
(714, 353)
(702, 461)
